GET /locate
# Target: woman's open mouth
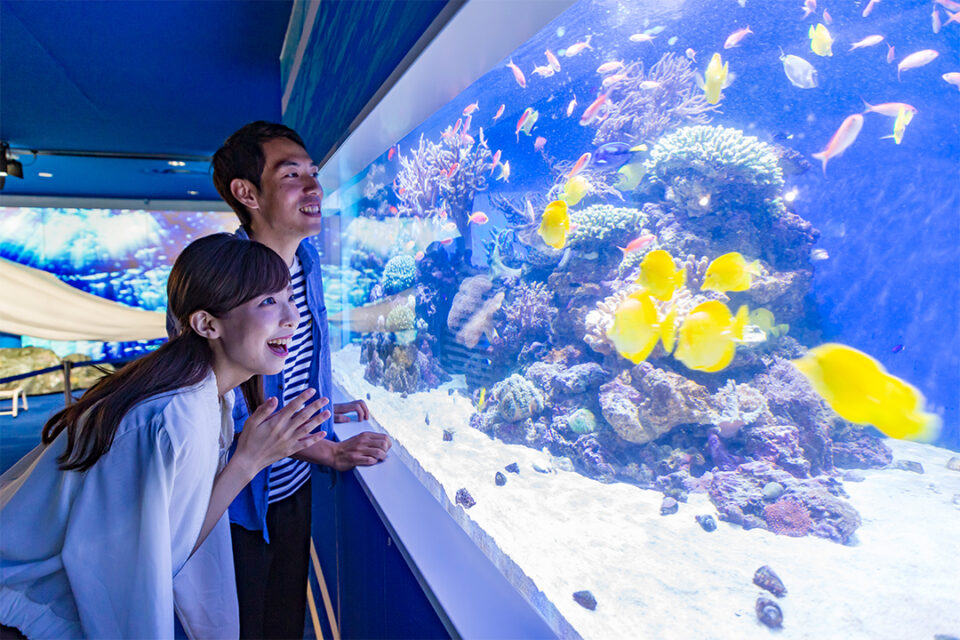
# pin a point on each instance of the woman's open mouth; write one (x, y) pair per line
(279, 346)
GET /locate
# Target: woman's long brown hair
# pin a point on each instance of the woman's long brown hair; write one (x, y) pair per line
(216, 274)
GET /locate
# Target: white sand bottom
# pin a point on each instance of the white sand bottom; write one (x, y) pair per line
(663, 577)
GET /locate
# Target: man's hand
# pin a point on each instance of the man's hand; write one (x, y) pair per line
(362, 450)
(342, 410)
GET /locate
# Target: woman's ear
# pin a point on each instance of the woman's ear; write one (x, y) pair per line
(244, 191)
(204, 325)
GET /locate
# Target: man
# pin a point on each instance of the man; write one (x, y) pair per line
(264, 173)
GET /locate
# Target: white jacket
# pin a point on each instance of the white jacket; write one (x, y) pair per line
(104, 553)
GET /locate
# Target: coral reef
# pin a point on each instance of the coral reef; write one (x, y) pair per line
(525, 317)
(718, 170)
(436, 180)
(638, 111)
(399, 273)
(602, 227)
(516, 398)
(400, 355)
(788, 517)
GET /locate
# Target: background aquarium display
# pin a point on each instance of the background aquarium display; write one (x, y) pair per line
(664, 309)
(124, 255)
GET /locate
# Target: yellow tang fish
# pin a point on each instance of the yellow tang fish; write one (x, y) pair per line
(763, 318)
(820, 40)
(555, 224)
(730, 272)
(481, 400)
(716, 79)
(630, 176)
(708, 336)
(859, 389)
(659, 275)
(637, 327)
(575, 189)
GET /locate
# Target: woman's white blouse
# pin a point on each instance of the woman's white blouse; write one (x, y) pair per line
(105, 553)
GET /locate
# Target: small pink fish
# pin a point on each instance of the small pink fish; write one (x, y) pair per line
(734, 38)
(466, 123)
(579, 165)
(809, 6)
(916, 59)
(391, 153)
(889, 109)
(572, 106)
(518, 75)
(467, 139)
(453, 169)
(552, 59)
(443, 214)
(953, 17)
(577, 47)
(935, 16)
(869, 8)
(869, 41)
(949, 4)
(691, 55)
(392, 210)
(495, 161)
(538, 143)
(419, 256)
(610, 67)
(841, 140)
(952, 77)
(478, 217)
(523, 118)
(470, 108)
(609, 81)
(544, 72)
(827, 18)
(590, 113)
(446, 241)
(638, 243)
(890, 55)
(499, 112)
(456, 127)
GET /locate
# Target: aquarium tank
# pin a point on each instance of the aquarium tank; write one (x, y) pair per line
(124, 255)
(664, 308)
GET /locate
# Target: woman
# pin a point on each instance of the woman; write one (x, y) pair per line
(116, 522)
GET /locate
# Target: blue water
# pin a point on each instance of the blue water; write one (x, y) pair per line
(888, 215)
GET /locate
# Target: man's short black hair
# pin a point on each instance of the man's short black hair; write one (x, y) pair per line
(241, 156)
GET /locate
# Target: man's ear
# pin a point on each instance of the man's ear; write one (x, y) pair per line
(245, 192)
(205, 325)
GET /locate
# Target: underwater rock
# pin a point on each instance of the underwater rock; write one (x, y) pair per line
(368, 396)
(772, 491)
(516, 398)
(447, 435)
(855, 448)
(669, 506)
(465, 499)
(765, 578)
(585, 599)
(426, 418)
(780, 444)
(768, 612)
(707, 523)
(721, 457)
(500, 479)
(953, 463)
(853, 476)
(527, 315)
(513, 467)
(907, 465)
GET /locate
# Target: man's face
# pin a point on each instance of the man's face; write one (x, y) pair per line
(290, 196)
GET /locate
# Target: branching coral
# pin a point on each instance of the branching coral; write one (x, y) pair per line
(399, 273)
(527, 316)
(444, 177)
(604, 227)
(639, 114)
(718, 170)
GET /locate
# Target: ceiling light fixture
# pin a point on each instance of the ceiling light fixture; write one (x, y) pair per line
(44, 174)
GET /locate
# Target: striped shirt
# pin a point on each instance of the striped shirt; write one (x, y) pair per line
(288, 475)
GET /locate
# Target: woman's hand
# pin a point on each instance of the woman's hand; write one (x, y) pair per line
(267, 438)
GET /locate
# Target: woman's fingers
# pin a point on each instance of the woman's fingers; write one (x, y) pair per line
(263, 411)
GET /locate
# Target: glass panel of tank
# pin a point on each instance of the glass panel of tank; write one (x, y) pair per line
(665, 306)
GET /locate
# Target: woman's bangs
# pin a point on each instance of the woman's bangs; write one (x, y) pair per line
(263, 272)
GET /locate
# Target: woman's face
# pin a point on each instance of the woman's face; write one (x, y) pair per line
(254, 336)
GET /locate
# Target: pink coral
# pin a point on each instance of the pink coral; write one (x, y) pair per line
(788, 517)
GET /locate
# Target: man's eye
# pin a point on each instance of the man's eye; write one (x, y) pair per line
(291, 299)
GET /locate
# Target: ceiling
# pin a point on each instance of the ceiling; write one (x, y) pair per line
(171, 79)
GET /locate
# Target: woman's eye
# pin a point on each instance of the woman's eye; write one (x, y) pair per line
(268, 300)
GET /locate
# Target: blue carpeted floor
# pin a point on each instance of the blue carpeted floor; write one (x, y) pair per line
(21, 434)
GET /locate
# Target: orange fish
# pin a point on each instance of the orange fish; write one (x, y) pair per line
(478, 217)
(393, 210)
(579, 165)
(495, 161)
(470, 108)
(391, 153)
(499, 112)
(827, 18)
(523, 118)
(591, 112)
(466, 123)
(538, 143)
(809, 6)
(733, 40)
(456, 127)
(453, 169)
(889, 109)
(869, 8)
(467, 139)
(446, 241)
(518, 75)
(949, 4)
(419, 256)
(577, 47)
(638, 243)
(842, 139)
(552, 59)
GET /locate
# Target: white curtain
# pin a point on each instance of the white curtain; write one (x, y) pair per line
(35, 303)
